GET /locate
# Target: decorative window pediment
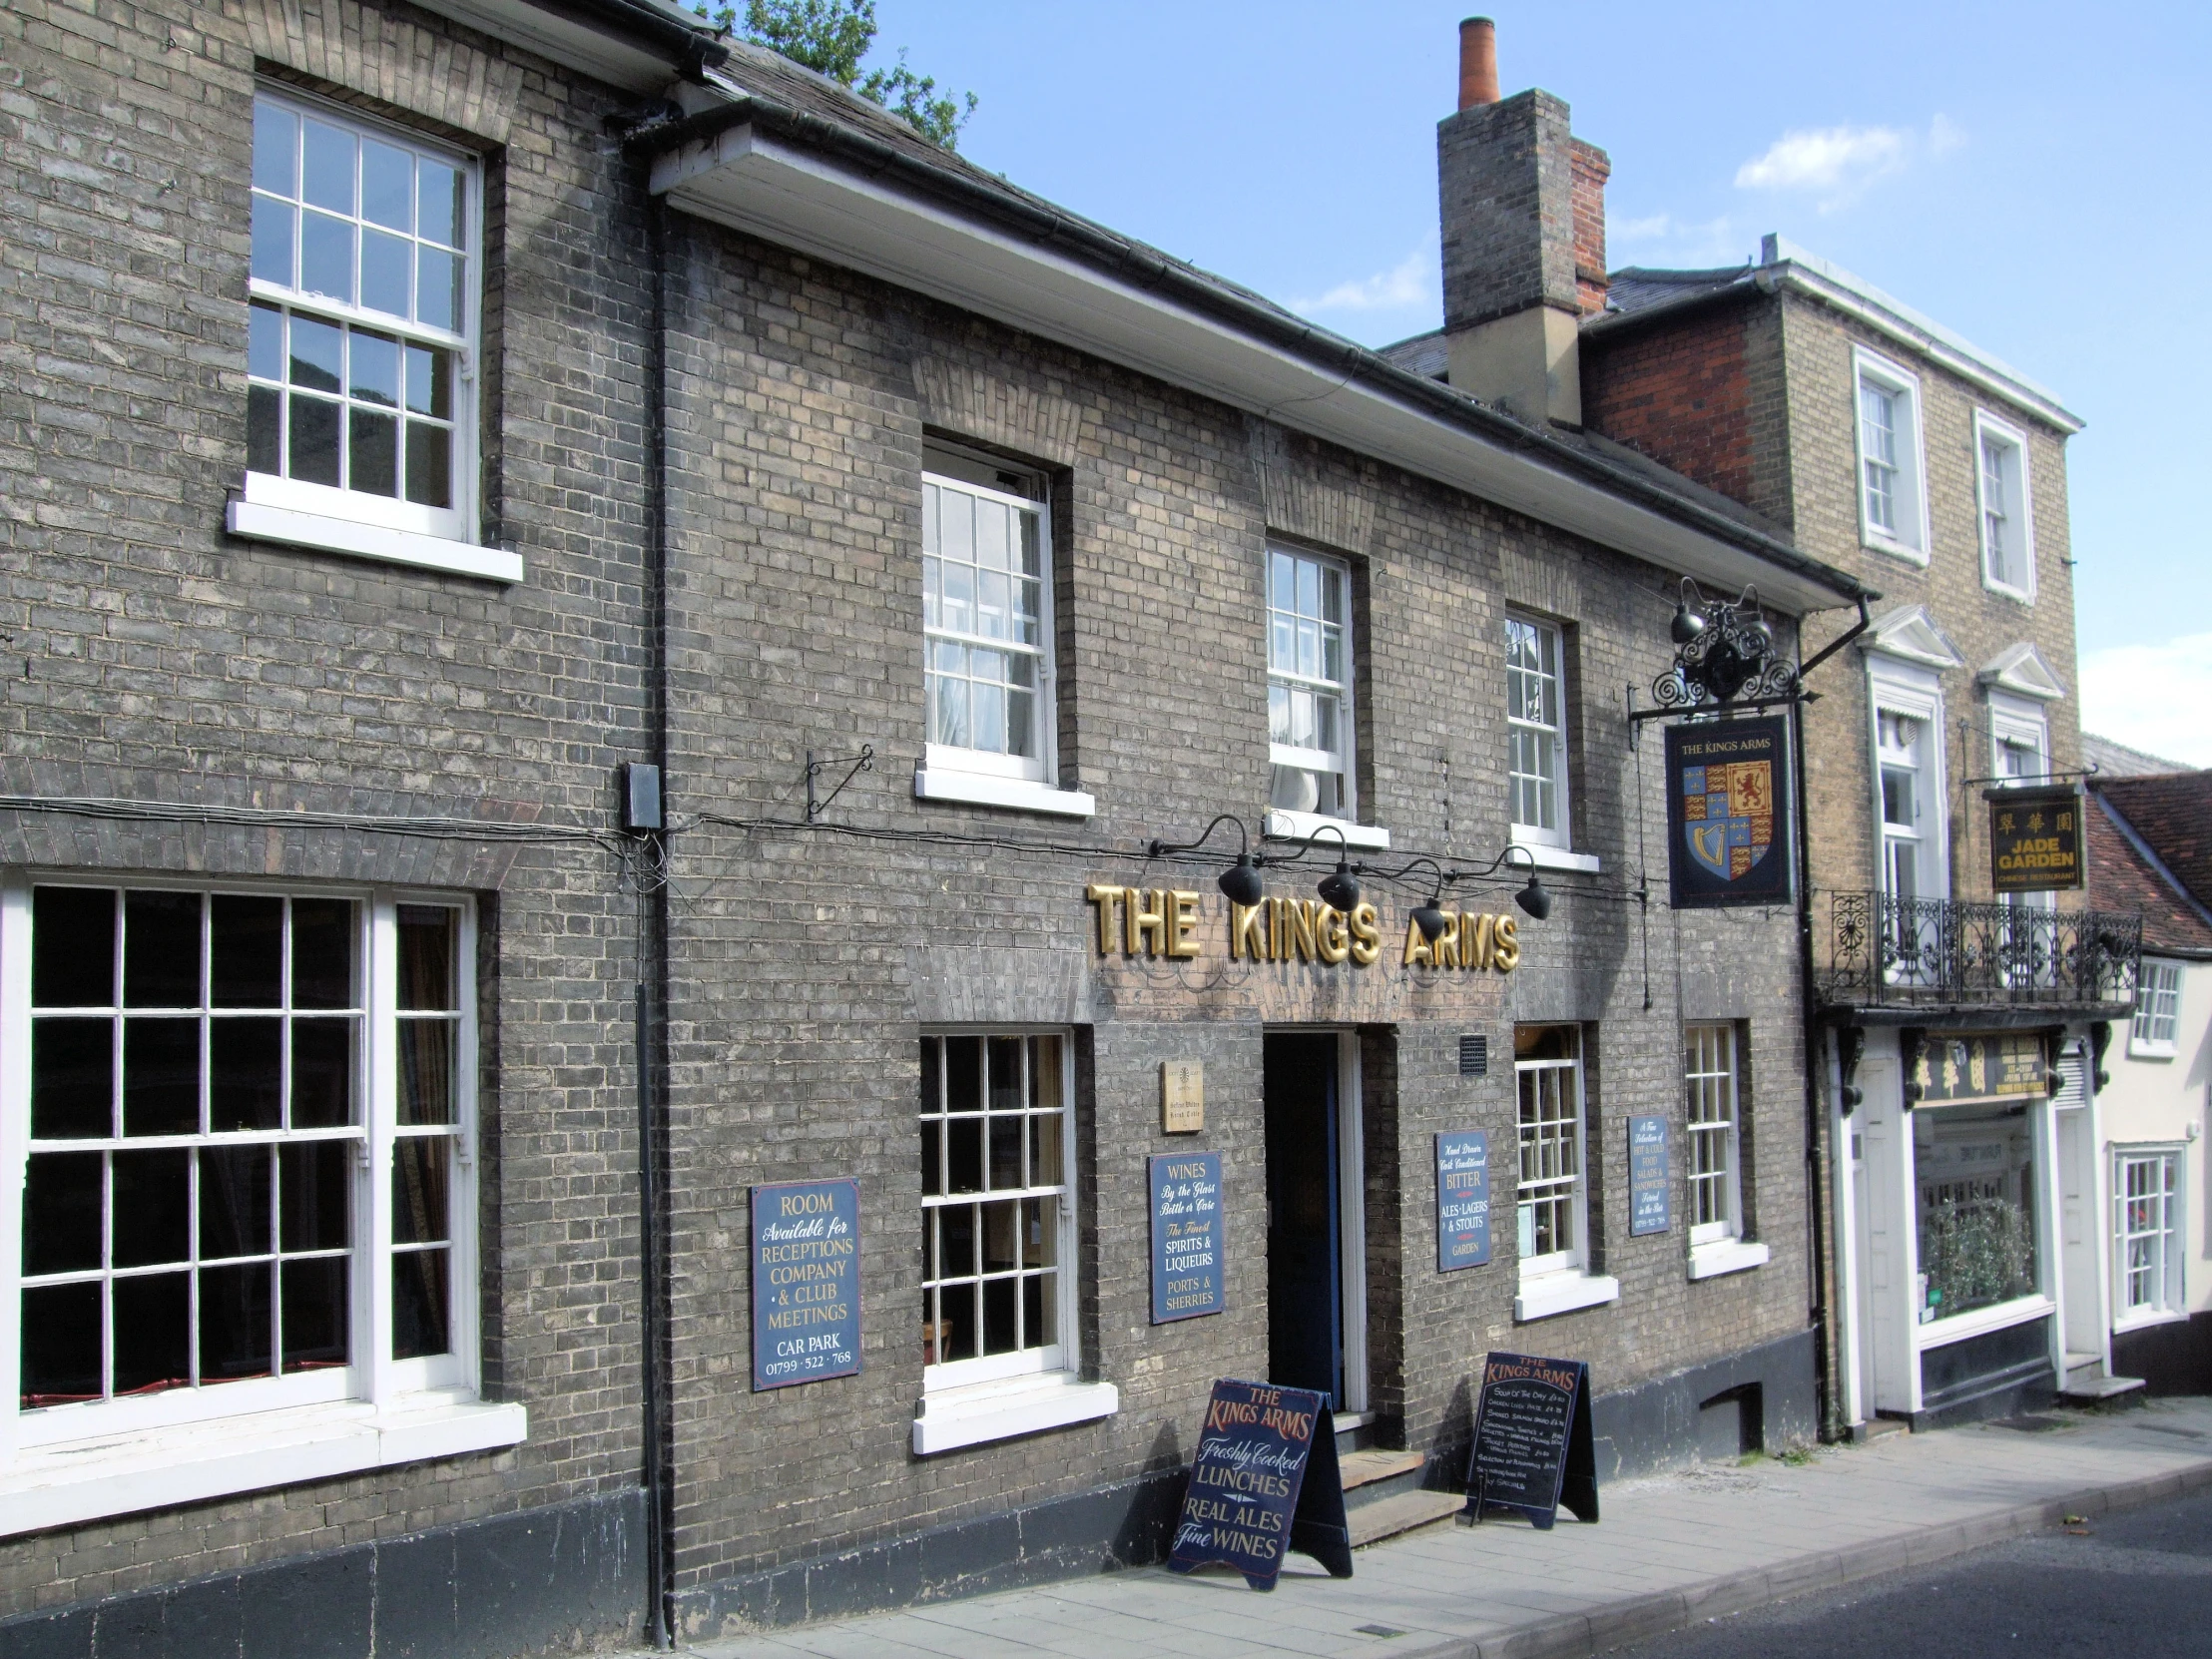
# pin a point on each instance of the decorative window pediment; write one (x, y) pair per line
(2021, 668)
(1911, 632)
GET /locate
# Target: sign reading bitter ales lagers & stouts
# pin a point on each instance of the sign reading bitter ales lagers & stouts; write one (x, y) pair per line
(2034, 839)
(1728, 812)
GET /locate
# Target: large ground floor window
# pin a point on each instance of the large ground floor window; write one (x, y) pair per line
(2148, 1233)
(1975, 1173)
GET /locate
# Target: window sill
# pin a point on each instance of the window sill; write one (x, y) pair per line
(1000, 1411)
(2143, 1322)
(2003, 590)
(1709, 1260)
(83, 1480)
(258, 521)
(1563, 1293)
(1894, 549)
(1547, 856)
(1982, 1321)
(1282, 825)
(1014, 793)
(2150, 1051)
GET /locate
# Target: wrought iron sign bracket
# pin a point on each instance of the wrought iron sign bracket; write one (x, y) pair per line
(862, 762)
(1637, 717)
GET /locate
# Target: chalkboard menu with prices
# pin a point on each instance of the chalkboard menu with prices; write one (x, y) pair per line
(1649, 1181)
(1533, 1446)
(1265, 1482)
(1462, 1200)
(1186, 1236)
(805, 1282)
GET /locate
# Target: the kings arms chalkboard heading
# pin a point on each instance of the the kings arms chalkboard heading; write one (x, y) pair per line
(1265, 1482)
(1532, 1450)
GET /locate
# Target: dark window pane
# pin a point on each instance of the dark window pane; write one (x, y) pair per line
(328, 157)
(60, 1213)
(964, 1074)
(425, 957)
(153, 1208)
(959, 1324)
(957, 1232)
(932, 1136)
(372, 369)
(930, 1085)
(418, 1303)
(275, 149)
(315, 440)
(439, 289)
(964, 1155)
(429, 465)
(387, 185)
(315, 1314)
(1001, 1238)
(317, 354)
(430, 381)
(386, 263)
(245, 1077)
(1005, 1153)
(418, 1189)
(236, 1327)
(273, 224)
(246, 953)
(71, 947)
(61, 1345)
(152, 1333)
(425, 1071)
(1033, 1331)
(264, 342)
(373, 452)
(1006, 1059)
(439, 187)
(233, 1202)
(264, 430)
(321, 953)
(72, 1078)
(998, 1316)
(326, 257)
(161, 1077)
(161, 949)
(321, 1073)
(317, 1181)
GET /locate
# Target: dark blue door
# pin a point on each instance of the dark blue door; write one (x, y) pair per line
(1305, 1273)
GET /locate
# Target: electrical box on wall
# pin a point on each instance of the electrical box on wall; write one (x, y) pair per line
(641, 795)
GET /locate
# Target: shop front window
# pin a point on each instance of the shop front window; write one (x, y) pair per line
(1975, 1201)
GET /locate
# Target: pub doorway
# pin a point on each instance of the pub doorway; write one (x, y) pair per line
(1317, 1246)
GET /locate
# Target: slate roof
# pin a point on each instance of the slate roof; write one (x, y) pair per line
(2150, 849)
(2117, 760)
(1638, 287)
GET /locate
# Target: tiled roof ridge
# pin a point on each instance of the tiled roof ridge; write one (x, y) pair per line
(2156, 867)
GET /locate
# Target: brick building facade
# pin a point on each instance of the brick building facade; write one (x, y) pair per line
(422, 415)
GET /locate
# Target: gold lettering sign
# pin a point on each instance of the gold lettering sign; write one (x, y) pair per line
(2003, 1066)
(1168, 922)
(1182, 1096)
(2034, 839)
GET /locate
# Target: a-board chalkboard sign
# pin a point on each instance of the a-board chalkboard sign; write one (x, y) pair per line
(1532, 1450)
(805, 1282)
(1186, 1236)
(1265, 1482)
(1462, 1200)
(1649, 1182)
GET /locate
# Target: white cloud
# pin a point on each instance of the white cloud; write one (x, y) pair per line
(2152, 697)
(1714, 242)
(1416, 280)
(1839, 163)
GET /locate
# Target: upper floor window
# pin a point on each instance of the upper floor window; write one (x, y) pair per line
(1901, 742)
(986, 612)
(2157, 1010)
(2007, 535)
(1310, 684)
(1537, 732)
(361, 354)
(1891, 496)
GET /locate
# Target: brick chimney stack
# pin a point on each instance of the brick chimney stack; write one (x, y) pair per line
(1523, 218)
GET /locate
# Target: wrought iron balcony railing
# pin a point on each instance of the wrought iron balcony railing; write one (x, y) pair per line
(1885, 951)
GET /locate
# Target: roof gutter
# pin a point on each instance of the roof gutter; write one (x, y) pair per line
(636, 45)
(1148, 272)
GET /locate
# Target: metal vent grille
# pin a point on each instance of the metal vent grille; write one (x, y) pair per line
(1474, 1056)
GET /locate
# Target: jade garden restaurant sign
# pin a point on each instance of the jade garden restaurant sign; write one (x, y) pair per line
(1170, 923)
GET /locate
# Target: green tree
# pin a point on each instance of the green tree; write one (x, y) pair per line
(830, 37)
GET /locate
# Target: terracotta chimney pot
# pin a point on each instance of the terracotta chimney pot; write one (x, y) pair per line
(1477, 62)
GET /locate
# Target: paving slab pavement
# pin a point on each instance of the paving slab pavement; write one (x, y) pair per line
(1670, 1551)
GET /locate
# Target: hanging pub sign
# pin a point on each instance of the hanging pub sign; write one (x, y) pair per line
(1462, 1200)
(1264, 1481)
(1728, 812)
(1186, 1236)
(1649, 1182)
(805, 1282)
(1532, 1446)
(2034, 839)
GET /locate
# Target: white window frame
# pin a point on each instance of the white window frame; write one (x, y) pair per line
(1909, 539)
(1714, 1083)
(1343, 760)
(1562, 833)
(67, 1463)
(2157, 1004)
(2169, 1270)
(2017, 508)
(1908, 690)
(271, 507)
(995, 1396)
(1559, 1281)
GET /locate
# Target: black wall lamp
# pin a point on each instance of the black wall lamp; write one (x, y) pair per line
(1240, 884)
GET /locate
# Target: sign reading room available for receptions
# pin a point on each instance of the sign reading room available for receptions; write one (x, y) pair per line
(805, 1282)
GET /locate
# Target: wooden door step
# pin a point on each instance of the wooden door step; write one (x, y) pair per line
(1362, 1467)
(2090, 1390)
(1388, 1517)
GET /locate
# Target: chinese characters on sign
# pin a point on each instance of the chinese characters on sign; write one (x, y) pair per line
(1648, 1181)
(1186, 1236)
(2004, 1066)
(1462, 1200)
(1728, 812)
(805, 1282)
(2034, 839)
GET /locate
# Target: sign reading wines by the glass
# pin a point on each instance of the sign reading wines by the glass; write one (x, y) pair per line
(1728, 812)
(805, 1282)
(2034, 839)
(1649, 1182)
(1265, 1482)
(1462, 1200)
(1186, 1236)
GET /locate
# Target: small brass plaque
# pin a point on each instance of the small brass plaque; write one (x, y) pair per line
(1182, 1096)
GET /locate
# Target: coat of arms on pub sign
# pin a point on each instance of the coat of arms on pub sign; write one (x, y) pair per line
(1728, 812)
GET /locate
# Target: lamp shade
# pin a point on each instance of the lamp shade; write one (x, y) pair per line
(1240, 884)
(1534, 898)
(1431, 920)
(1340, 890)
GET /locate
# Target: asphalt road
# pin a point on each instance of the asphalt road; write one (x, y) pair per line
(2137, 1584)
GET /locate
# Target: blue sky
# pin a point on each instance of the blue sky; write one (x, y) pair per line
(2033, 176)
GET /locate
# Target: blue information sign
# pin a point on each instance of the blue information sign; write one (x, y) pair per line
(1186, 1236)
(1264, 1481)
(1649, 1183)
(1462, 1200)
(805, 1282)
